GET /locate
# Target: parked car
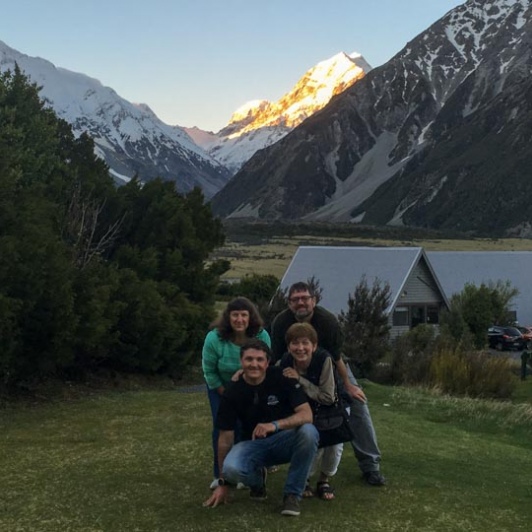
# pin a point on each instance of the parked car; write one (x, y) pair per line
(502, 338)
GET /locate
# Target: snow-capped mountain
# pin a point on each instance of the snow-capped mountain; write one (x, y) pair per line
(130, 137)
(260, 123)
(437, 137)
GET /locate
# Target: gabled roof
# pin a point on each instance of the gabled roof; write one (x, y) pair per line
(456, 268)
(340, 269)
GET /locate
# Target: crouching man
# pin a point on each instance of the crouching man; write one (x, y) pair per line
(276, 428)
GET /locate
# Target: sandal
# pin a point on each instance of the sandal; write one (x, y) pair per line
(308, 492)
(325, 491)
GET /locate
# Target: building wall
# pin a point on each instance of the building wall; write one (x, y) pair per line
(420, 300)
(420, 287)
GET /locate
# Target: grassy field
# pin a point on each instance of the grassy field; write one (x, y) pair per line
(140, 461)
(273, 255)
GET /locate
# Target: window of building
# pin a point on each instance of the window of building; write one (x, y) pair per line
(400, 317)
(433, 315)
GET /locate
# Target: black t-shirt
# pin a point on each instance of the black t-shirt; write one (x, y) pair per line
(276, 397)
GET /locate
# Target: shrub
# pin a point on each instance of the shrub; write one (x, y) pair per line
(476, 308)
(474, 374)
(411, 356)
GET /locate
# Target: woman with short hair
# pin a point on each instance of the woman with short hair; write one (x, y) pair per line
(314, 369)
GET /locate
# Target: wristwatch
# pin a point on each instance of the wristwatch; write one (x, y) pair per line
(222, 482)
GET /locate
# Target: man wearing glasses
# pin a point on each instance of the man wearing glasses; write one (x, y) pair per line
(302, 307)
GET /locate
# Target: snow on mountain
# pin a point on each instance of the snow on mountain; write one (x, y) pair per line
(426, 139)
(130, 137)
(260, 123)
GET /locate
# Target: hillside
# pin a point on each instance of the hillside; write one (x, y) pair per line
(438, 137)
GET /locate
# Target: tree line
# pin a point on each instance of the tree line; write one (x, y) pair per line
(93, 275)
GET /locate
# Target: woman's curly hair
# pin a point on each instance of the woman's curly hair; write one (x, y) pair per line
(223, 323)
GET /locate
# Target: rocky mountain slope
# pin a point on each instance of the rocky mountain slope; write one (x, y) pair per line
(261, 123)
(437, 137)
(130, 137)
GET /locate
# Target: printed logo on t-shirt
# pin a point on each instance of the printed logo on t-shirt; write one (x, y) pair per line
(273, 400)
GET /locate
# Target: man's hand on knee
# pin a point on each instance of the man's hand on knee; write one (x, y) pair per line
(219, 496)
(356, 393)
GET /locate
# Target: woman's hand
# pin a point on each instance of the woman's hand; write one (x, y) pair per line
(236, 375)
(291, 373)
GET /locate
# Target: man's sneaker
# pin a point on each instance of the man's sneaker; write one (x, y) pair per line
(374, 478)
(290, 505)
(259, 494)
(214, 484)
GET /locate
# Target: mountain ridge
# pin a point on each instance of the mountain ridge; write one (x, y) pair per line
(129, 137)
(360, 144)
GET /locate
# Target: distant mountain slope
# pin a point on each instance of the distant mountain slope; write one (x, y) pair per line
(260, 123)
(437, 137)
(130, 137)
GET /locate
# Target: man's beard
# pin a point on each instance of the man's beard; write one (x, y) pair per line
(303, 313)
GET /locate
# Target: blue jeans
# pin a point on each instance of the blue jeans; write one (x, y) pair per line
(296, 447)
(214, 402)
(365, 441)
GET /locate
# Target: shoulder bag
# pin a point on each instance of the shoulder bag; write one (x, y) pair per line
(333, 423)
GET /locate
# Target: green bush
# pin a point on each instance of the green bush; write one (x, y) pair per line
(92, 275)
(473, 374)
(421, 357)
(411, 356)
(475, 308)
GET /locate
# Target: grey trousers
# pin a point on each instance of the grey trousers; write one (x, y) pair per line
(364, 443)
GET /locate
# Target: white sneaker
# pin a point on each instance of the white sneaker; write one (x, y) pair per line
(214, 484)
(241, 486)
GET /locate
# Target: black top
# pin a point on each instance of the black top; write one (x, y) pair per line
(276, 397)
(330, 335)
(313, 373)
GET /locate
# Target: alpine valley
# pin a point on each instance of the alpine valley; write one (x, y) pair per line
(438, 137)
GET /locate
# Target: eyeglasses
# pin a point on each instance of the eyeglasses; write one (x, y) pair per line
(303, 299)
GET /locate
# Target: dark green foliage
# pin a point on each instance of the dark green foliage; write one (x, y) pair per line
(478, 307)
(365, 325)
(411, 356)
(261, 231)
(258, 288)
(91, 275)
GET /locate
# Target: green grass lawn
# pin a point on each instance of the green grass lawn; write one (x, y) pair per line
(140, 461)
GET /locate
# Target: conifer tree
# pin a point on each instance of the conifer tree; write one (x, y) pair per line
(365, 325)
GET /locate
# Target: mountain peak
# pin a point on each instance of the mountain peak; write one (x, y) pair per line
(248, 110)
(260, 123)
(311, 93)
